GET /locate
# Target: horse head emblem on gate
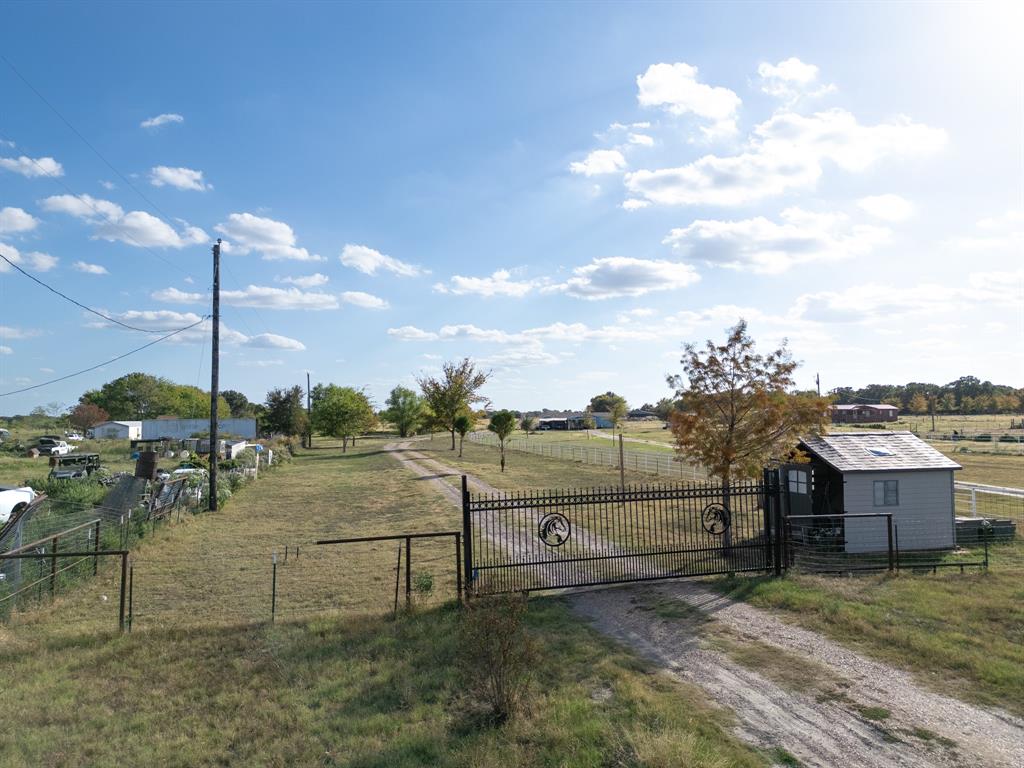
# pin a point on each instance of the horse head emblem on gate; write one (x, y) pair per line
(715, 519)
(554, 529)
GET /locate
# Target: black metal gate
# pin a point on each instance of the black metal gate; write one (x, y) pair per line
(533, 540)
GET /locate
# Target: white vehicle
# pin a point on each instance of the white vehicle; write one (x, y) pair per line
(12, 499)
(74, 437)
(60, 448)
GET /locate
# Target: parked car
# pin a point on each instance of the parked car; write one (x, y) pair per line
(74, 437)
(48, 446)
(73, 467)
(13, 499)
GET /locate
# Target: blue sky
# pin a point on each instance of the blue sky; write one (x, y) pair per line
(566, 193)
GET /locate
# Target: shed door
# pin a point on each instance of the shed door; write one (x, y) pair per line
(797, 487)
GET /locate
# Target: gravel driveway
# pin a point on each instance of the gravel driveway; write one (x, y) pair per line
(865, 714)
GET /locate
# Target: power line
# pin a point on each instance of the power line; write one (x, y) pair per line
(64, 296)
(107, 362)
(79, 134)
(107, 218)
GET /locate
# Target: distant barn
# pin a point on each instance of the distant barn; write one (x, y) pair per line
(864, 414)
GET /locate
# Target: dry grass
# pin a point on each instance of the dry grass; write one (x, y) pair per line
(198, 684)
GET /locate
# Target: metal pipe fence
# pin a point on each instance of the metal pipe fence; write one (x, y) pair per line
(662, 464)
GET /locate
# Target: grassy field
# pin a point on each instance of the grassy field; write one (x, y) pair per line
(16, 468)
(333, 682)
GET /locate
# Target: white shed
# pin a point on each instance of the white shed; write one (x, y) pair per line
(117, 430)
(883, 472)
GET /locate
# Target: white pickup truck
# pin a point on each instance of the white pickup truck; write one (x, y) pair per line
(49, 446)
(12, 499)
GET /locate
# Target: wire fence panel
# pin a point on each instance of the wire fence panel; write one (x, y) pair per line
(1004, 507)
(662, 464)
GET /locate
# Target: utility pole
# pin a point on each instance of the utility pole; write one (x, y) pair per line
(309, 415)
(214, 376)
(817, 382)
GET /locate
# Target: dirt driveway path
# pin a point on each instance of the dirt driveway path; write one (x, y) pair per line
(808, 695)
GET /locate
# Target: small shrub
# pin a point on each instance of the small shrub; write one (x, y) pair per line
(497, 657)
(423, 583)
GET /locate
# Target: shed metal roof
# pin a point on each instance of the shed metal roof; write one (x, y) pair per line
(876, 452)
(875, 406)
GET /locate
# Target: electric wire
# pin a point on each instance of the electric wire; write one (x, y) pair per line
(79, 304)
(106, 362)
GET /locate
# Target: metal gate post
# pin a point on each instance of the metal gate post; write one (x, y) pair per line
(888, 531)
(96, 548)
(124, 591)
(467, 537)
(458, 566)
(766, 502)
(779, 531)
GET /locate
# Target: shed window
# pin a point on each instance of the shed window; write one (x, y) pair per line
(887, 493)
(797, 481)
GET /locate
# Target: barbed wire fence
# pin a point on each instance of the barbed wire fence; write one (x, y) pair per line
(662, 464)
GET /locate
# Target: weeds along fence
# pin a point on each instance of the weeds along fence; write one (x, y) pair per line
(662, 464)
(361, 576)
(865, 542)
(37, 546)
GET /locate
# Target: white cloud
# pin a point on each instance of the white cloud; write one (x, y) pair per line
(634, 205)
(267, 297)
(617, 276)
(641, 139)
(175, 296)
(787, 151)
(260, 363)
(179, 178)
(164, 119)
(11, 332)
(764, 246)
(136, 228)
(274, 239)
(369, 261)
(411, 333)
(16, 220)
(108, 185)
(887, 207)
(674, 87)
(600, 161)
(791, 79)
(364, 300)
(32, 167)
(274, 341)
(89, 269)
(5, 350)
(35, 260)
(500, 283)
(306, 281)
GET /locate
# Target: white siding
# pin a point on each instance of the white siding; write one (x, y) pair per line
(924, 516)
(179, 429)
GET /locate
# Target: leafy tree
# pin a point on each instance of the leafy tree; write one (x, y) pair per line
(341, 412)
(284, 412)
(588, 421)
(918, 404)
(142, 396)
(463, 424)
(404, 410)
(605, 403)
(238, 403)
(664, 407)
(527, 423)
(456, 390)
(85, 415)
(740, 414)
(503, 424)
(618, 412)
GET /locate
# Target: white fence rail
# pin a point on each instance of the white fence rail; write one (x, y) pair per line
(994, 501)
(662, 464)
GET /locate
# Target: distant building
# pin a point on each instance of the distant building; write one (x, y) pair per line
(639, 415)
(179, 429)
(117, 430)
(573, 420)
(862, 414)
(875, 472)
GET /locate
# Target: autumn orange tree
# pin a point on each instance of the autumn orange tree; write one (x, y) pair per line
(740, 411)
